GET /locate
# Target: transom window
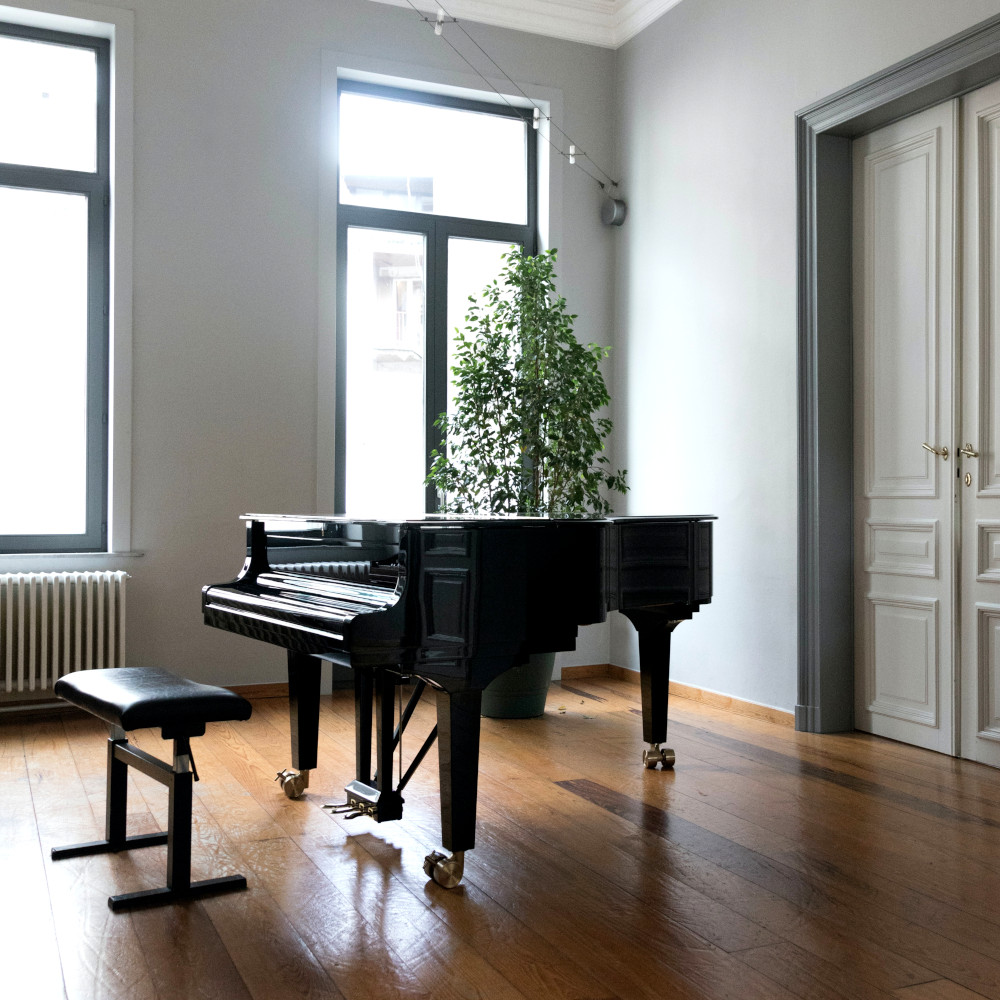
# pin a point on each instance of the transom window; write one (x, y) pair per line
(432, 190)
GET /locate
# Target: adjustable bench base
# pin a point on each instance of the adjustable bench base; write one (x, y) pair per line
(157, 897)
(178, 778)
(150, 897)
(106, 847)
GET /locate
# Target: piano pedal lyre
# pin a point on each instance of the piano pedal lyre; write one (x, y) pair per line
(446, 870)
(293, 783)
(655, 754)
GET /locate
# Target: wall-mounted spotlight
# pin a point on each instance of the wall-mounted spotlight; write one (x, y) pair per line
(613, 211)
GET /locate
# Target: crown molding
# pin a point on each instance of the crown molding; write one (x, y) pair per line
(607, 23)
(634, 15)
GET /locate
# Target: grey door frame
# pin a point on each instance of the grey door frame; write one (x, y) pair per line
(823, 135)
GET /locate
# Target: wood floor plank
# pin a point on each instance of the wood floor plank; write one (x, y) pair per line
(601, 930)
(100, 954)
(733, 894)
(272, 959)
(769, 864)
(926, 811)
(355, 953)
(953, 896)
(754, 853)
(512, 959)
(651, 868)
(31, 964)
(466, 924)
(185, 954)
(805, 975)
(939, 990)
(553, 816)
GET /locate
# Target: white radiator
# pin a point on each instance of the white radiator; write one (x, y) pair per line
(52, 623)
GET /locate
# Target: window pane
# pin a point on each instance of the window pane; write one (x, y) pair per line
(472, 265)
(426, 158)
(48, 104)
(385, 443)
(43, 362)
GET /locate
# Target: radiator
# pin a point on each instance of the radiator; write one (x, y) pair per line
(52, 623)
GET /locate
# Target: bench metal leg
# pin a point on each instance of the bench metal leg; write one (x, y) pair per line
(117, 793)
(114, 811)
(178, 779)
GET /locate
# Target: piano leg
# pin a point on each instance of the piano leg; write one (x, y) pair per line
(303, 710)
(654, 679)
(458, 761)
(390, 801)
(364, 691)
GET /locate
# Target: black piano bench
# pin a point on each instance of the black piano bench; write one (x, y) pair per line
(130, 698)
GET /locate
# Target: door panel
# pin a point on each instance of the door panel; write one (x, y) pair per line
(980, 428)
(902, 640)
(904, 190)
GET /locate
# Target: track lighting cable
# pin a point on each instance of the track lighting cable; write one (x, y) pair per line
(574, 155)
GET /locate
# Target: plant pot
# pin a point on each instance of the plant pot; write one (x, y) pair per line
(519, 693)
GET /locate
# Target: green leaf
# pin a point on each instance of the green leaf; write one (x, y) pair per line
(524, 436)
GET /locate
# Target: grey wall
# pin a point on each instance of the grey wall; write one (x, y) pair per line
(696, 290)
(226, 277)
(706, 335)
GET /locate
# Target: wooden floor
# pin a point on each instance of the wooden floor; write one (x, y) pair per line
(769, 864)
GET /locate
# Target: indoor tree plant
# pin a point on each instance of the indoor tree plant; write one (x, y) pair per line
(523, 435)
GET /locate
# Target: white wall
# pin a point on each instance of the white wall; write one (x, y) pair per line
(227, 281)
(706, 339)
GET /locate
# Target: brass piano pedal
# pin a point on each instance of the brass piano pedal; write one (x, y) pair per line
(362, 800)
(446, 871)
(349, 810)
(293, 783)
(655, 754)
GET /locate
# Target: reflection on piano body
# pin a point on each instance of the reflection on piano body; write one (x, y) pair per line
(452, 602)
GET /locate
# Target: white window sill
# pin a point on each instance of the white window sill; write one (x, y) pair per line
(58, 562)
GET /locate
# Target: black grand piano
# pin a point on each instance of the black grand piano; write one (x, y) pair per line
(451, 602)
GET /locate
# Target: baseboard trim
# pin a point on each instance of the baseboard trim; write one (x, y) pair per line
(710, 698)
(34, 711)
(278, 689)
(600, 670)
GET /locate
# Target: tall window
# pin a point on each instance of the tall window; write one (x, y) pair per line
(54, 196)
(432, 190)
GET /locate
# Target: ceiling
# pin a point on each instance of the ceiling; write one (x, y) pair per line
(607, 23)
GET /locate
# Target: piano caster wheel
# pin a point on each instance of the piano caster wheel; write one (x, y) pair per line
(293, 783)
(655, 754)
(446, 871)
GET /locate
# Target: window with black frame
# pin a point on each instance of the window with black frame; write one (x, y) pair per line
(54, 263)
(432, 190)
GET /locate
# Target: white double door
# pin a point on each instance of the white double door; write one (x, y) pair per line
(927, 428)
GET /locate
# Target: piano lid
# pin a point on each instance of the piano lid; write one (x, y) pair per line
(304, 522)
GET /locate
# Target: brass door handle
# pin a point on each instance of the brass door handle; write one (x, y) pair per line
(943, 452)
(968, 451)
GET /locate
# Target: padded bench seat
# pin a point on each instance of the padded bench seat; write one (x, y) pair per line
(151, 698)
(130, 698)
